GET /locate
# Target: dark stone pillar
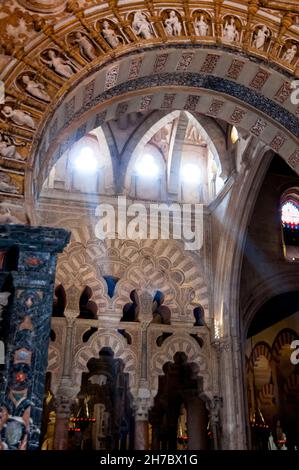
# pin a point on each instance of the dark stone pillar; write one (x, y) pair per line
(33, 278)
(196, 423)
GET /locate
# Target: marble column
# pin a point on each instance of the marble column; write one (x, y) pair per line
(141, 438)
(141, 435)
(213, 406)
(196, 422)
(65, 392)
(63, 408)
(33, 277)
(232, 412)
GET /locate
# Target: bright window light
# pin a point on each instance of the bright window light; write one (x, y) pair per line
(86, 160)
(190, 173)
(234, 135)
(290, 214)
(146, 166)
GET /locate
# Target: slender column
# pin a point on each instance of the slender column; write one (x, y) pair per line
(213, 407)
(142, 406)
(63, 407)
(65, 391)
(30, 316)
(143, 399)
(141, 435)
(196, 423)
(231, 384)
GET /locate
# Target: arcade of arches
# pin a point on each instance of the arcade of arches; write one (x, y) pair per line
(143, 339)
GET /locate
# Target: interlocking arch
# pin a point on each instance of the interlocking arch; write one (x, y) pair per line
(185, 344)
(105, 338)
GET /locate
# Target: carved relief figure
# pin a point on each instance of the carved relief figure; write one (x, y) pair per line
(86, 48)
(141, 26)
(201, 26)
(230, 32)
(61, 66)
(173, 25)
(36, 89)
(260, 37)
(7, 185)
(18, 117)
(290, 53)
(109, 35)
(8, 149)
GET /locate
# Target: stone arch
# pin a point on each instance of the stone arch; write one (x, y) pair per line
(292, 384)
(266, 394)
(147, 264)
(260, 349)
(145, 131)
(227, 306)
(216, 140)
(79, 272)
(230, 100)
(180, 343)
(290, 194)
(222, 70)
(106, 160)
(283, 338)
(280, 283)
(105, 338)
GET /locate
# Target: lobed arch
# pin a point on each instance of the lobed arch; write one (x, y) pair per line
(280, 283)
(147, 264)
(260, 349)
(284, 338)
(54, 366)
(106, 338)
(181, 342)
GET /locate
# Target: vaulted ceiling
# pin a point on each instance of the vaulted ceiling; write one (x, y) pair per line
(66, 71)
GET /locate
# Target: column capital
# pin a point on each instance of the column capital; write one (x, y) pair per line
(65, 390)
(142, 402)
(213, 406)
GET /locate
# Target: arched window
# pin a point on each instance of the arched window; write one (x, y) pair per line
(290, 229)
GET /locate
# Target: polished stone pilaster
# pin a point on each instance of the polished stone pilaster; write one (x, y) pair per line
(32, 275)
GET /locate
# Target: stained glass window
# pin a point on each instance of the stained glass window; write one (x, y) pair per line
(290, 215)
(290, 228)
